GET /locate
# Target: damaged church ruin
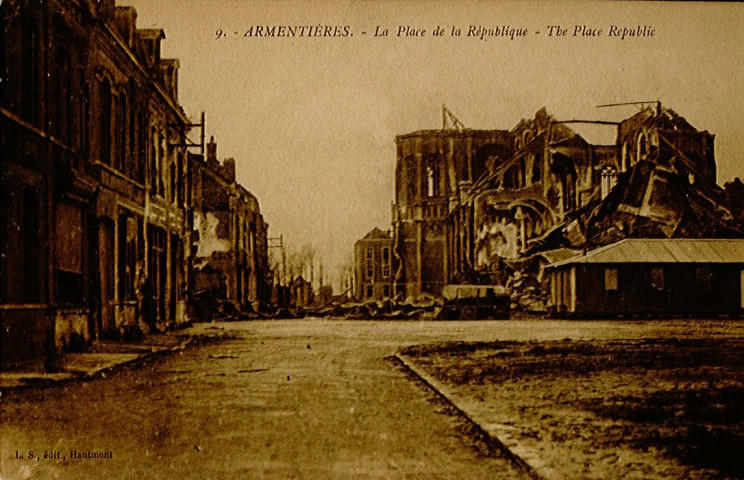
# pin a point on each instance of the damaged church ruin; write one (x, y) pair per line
(496, 206)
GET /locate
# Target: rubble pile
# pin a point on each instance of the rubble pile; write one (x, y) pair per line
(528, 294)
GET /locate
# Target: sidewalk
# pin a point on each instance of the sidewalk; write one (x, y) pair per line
(101, 358)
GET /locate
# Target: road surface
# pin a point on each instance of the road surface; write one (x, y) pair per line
(313, 399)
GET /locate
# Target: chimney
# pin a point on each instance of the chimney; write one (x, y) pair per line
(212, 152)
(228, 169)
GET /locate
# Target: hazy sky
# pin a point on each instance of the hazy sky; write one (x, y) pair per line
(311, 122)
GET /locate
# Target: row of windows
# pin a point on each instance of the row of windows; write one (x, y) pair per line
(125, 146)
(656, 279)
(369, 291)
(123, 120)
(370, 263)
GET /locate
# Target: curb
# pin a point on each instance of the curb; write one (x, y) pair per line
(492, 440)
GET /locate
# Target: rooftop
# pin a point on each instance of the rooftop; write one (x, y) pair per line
(686, 250)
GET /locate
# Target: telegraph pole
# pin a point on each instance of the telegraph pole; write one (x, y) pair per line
(278, 242)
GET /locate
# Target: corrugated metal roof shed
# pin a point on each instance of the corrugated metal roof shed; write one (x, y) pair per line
(664, 251)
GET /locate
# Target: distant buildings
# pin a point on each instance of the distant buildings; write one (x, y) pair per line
(98, 205)
(301, 293)
(374, 266)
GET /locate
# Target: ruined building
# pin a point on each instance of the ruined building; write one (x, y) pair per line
(476, 206)
(230, 254)
(433, 169)
(374, 266)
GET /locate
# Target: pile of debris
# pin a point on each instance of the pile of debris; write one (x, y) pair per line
(204, 306)
(528, 294)
(387, 309)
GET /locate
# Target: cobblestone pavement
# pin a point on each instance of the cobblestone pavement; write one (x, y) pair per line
(280, 399)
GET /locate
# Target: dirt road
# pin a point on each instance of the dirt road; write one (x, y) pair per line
(285, 399)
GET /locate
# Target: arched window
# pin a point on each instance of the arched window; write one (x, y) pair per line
(537, 167)
(105, 121)
(410, 175)
(430, 181)
(569, 192)
(432, 170)
(608, 181)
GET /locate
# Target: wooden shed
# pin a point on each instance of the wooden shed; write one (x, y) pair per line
(696, 277)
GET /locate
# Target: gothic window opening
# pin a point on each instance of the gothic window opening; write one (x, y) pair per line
(537, 167)
(410, 173)
(608, 180)
(430, 190)
(431, 179)
(569, 192)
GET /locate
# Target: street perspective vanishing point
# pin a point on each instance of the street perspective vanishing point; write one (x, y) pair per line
(367, 286)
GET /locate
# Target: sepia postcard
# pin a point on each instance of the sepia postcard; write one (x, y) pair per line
(371, 239)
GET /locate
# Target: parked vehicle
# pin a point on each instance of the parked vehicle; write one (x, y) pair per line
(470, 302)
